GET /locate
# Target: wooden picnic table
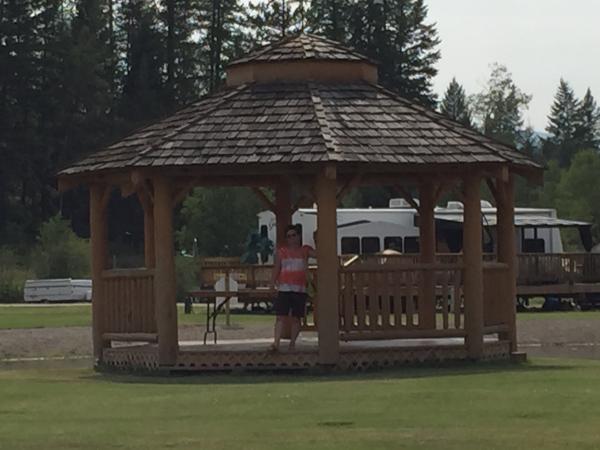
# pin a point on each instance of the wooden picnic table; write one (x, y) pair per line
(209, 298)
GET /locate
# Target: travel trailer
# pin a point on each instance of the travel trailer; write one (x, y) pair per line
(372, 230)
(57, 290)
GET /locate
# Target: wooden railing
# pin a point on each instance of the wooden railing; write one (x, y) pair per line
(533, 269)
(381, 301)
(496, 304)
(129, 301)
(560, 268)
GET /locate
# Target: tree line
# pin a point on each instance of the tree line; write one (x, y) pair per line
(570, 148)
(78, 74)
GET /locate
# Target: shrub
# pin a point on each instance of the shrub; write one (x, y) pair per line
(187, 272)
(60, 253)
(12, 276)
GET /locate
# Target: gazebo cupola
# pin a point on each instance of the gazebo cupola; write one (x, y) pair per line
(302, 58)
(306, 115)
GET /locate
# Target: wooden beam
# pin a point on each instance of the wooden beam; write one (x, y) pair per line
(327, 268)
(492, 188)
(182, 192)
(283, 210)
(66, 183)
(507, 254)
(99, 253)
(408, 197)
(266, 201)
(350, 184)
(427, 241)
(164, 278)
(473, 272)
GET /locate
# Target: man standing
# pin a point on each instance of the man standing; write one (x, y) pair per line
(289, 278)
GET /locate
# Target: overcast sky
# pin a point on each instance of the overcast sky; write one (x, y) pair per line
(538, 40)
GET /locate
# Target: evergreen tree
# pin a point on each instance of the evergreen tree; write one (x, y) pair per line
(144, 96)
(329, 18)
(224, 36)
(587, 131)
(498, 109)
(181, 53)
(562, 125)
(272, 20)
(455, 104)
(397, 35)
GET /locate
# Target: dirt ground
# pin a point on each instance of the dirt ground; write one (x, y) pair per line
(576, 338)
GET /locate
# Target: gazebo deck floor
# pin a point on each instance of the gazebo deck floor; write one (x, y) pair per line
(254, 354)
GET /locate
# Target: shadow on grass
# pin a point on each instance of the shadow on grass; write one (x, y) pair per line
(291, 376)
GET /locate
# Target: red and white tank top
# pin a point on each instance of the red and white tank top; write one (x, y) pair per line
(294, 263)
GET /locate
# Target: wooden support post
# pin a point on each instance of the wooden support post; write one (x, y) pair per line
(507, 254)
(99, 241)
(164, 275)
(148, 207)
(473, 262)
(283, 210)
(327, 268)
(149, 253)
(427, 243)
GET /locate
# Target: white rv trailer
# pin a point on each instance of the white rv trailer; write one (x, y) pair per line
(57, 290)
(370, 230)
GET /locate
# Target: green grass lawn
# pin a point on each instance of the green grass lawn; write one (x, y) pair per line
(80, 315)
(547, 404)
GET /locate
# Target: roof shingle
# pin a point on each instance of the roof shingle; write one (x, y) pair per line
(301, 122)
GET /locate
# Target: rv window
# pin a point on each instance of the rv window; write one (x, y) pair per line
(370, 245)
(411, 245)
(350, 246)
(264, 231)
(534, 246)
(393, 243)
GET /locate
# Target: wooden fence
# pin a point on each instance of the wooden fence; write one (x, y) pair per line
(129, 301)
(559, 268)
(383, 302)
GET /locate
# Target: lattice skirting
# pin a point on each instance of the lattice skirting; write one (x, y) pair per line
(145, 358)
(134, 358)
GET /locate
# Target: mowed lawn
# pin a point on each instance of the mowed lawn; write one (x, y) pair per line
(76, 315)
(545, 404)
(52, 316)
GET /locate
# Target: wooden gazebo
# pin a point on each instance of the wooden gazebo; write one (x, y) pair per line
(307, 115)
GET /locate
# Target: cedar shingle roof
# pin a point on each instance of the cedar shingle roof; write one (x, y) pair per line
(303, 47)
(301, 122)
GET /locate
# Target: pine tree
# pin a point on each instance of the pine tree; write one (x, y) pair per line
(498, 109)
(587, 131)
(272, 20)
(144, 95)
(181, 84)
(224, 37)
(329, 18)
(562, 125)
(455, 104)
(397, 35)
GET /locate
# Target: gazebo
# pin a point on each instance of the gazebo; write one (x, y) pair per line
(306, 115)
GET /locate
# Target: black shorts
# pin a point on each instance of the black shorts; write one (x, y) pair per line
(290, 302)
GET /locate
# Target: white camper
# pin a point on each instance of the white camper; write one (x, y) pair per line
(371, 230)
(57, 290)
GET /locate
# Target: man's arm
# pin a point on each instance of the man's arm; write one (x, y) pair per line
(312, 253)
(276, 270)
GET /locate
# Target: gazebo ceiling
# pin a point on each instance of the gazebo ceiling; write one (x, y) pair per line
(273, 122)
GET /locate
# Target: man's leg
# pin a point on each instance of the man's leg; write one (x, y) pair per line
(294, 331)
(279, 324)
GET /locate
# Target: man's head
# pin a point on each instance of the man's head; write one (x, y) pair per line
(292, 235)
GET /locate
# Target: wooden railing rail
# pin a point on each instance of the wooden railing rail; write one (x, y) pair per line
(382, 302)
(129, 301)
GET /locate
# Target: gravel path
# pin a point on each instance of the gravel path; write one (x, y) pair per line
(538, 337)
